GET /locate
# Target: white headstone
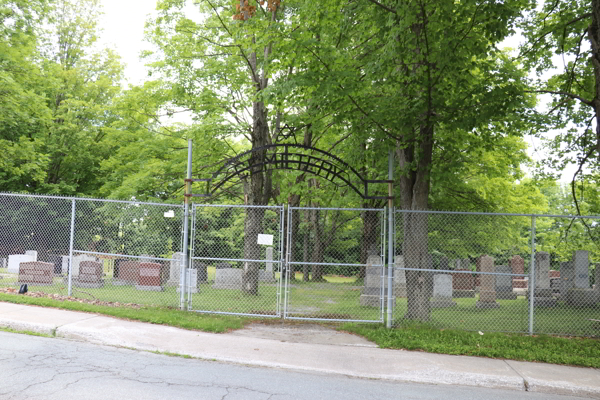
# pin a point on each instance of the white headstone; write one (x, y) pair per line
(15, 259)
(228, 278)
(542, 270)
(32, 253)
(175, 270)
(269, 265)
(582, 269)
(442, 286)
(65, 265)
(3, 263)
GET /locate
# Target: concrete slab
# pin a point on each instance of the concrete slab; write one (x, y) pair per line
(558, 379)
(302, 333)
(364, 362)
(37, 319)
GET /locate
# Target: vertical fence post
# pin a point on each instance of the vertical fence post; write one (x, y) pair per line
(70, 290)
(186, 215)
(531, 288)
(288, 258)
(390, 303)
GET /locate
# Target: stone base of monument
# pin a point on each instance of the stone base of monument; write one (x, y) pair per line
(504, 295)
(374, 300)
(228, 278)
(582, 297)
(266, 276)
(486, 304)
(89, 285)
(442, 303)
(150, 288)
(173, 283)
(462, 293)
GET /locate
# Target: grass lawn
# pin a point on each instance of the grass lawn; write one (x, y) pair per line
(338, 298)
(583, 352)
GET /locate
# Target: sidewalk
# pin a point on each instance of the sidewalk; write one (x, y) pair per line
(349, 356)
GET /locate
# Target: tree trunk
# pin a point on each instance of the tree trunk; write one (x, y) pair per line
(318, 250)
(305, 246)
(369, 238)
(415, 160)
(252, 227)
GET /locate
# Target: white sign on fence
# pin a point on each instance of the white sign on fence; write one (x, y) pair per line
(265, 239)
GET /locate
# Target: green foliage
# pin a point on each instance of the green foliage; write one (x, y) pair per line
(555, 350)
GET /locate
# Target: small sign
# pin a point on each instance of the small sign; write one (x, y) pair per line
(265, 239)
(169, 214)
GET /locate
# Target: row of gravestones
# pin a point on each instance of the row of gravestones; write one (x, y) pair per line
(128, 272)
(574, 286)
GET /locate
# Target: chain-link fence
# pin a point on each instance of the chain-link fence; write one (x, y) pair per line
(236, 259)
(474, 271)
(335, 264)
(123, 252)
(469, 271)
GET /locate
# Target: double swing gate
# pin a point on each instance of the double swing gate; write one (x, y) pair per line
(294, 262)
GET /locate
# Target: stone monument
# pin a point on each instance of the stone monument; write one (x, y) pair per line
(36, 273)
(267, 275)
(374, 273)
(442, 291)
(517, 265)
(175, 270)
(487, 291)
(90, 275)
(228, 278)
(543, 292)
(129, 273)
(504, 289)
(149, 277)
(15, 260)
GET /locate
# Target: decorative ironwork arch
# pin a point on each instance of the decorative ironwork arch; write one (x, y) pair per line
(292, 157)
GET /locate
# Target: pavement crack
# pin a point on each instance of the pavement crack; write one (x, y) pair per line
(525, 383)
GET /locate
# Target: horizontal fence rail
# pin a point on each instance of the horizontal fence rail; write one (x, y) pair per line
(526, 273)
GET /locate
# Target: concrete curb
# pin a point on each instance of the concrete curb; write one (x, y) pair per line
(355, 361)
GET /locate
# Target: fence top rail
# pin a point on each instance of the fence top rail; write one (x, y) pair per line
(336, 208)
(237, 206)
(44, 196)
(496, 214)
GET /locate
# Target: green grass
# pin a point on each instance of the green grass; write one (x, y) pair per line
(154, 315)
(583, 352)
(31, 333)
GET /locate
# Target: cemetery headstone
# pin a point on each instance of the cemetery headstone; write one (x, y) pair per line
(90, 275)
(129, 273)
(14, 261)
(463, 284)
(175, 270)
(581, 295)
(149, 277)
(399, 277)
(477, 269)
(487, 291)
(567, 277)
(504, 288)
(228, 278)
(222, 265)
(266, 275)
(371, 293)
(32, 253)
(117, 266)
(65, 264)
(542, 292)
(582, 269)
(442, 291)
(35, 273)
(517, 264)
(78, 259)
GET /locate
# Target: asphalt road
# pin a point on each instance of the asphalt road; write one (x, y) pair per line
(44, 368)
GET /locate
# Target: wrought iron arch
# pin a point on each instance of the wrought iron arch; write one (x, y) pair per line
(292, 157)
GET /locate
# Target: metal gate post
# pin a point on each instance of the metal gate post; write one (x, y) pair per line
(70, 290)
(288, 257)
(186, 215)
(532, 277)
(390, 303)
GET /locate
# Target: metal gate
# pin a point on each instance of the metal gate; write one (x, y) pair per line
(236, 260)
(335, 264)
